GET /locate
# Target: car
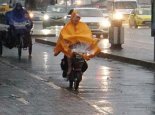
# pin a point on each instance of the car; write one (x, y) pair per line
(54, 15)
(140, 17)
(95, 20)
(105, 12)
(36, 15)
(144, 6)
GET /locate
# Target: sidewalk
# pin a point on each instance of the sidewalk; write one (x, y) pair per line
(133, 55)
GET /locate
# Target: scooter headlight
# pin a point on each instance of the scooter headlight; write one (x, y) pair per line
(46, 17)
(31, 15)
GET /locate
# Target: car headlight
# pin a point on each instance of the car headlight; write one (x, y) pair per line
(105, 24)
(117, 16)
(46, 17)
(65, 17)
(31, 15)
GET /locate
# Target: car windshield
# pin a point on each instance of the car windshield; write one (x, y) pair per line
(144, 12)
(56, 9)
(39, 9)
(126, 5)
(104, 10)
(90, 13)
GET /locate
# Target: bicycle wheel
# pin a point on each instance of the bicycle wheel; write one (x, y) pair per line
(20, 47)
(76, 84)
(77, 80)
(30, 48)
(71, 80)
(70, 84)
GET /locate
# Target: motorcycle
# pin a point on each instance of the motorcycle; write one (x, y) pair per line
(78, 66)
(20, 34)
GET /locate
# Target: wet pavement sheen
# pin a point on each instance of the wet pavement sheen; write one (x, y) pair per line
(108, 87)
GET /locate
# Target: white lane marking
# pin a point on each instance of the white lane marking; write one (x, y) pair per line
(96, 107)
(53, 85)
(99, 109)
(34, 76)
(23, 101)
(21, 90)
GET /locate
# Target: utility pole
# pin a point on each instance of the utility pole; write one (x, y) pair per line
(52, 2)
(66, 4)
(72, 2)
(153, 22)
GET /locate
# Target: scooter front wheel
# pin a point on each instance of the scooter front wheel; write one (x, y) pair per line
(30, 49)
(70, 84)
(76, 85)
(77, 80)
(20, 47)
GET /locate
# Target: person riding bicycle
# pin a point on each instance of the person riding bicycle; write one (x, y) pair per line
(18, 14)
(75, 31)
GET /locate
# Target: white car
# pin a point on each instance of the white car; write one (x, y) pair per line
(54, 16)
(36, 15)
(105, 12)
(94, 18)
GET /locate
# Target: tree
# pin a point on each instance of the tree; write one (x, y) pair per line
(30, 4)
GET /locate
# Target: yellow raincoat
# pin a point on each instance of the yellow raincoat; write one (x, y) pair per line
(71, 34)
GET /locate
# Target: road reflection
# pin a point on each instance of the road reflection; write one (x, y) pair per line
(104, 45)
(58, 29)
(45, 58)
(46, 31)
(53, 30)
(103, 74)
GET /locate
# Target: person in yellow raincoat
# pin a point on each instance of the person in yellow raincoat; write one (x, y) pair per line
(74, 32)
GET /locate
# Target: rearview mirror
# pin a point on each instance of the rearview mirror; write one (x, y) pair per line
(69, 16)
(42, 12)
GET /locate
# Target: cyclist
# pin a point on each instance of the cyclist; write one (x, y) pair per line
(18, 14)
(74, 31)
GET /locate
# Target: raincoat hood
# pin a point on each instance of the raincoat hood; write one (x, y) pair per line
(18, 6)
(18, 11)
(18, 14)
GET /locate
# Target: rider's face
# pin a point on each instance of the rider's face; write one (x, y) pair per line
(18, 7)
(76, 19)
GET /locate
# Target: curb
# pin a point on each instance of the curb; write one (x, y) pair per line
(146, 64)
(37, 35)
(45, 42)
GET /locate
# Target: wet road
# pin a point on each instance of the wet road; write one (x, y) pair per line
(110, 87)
